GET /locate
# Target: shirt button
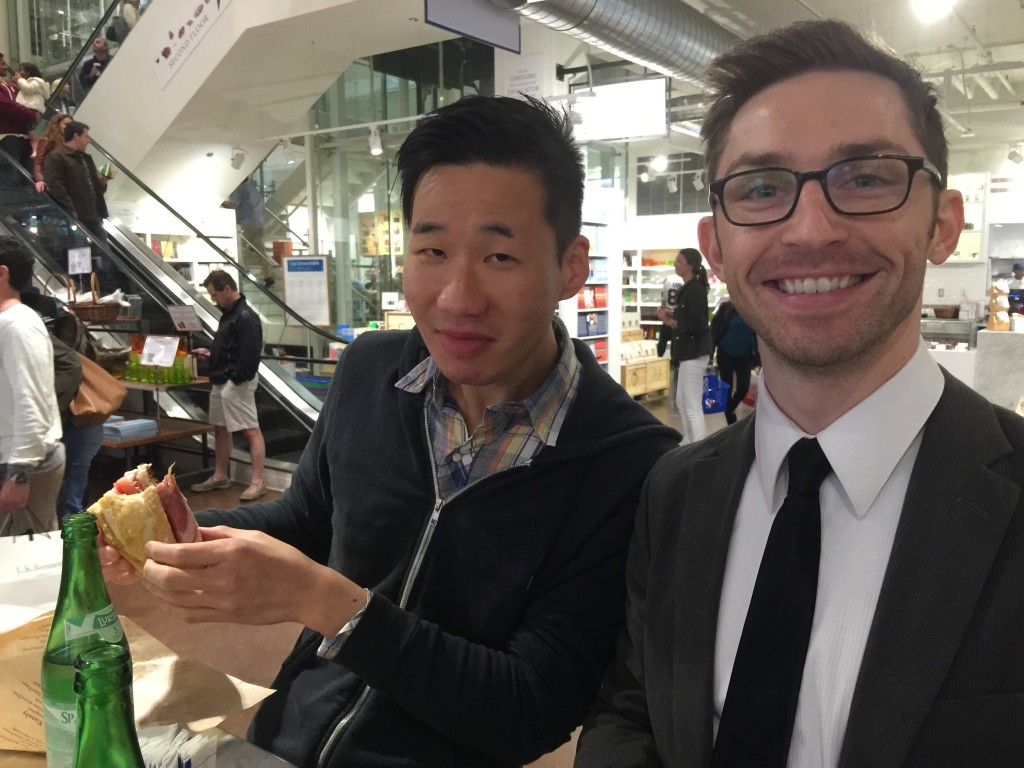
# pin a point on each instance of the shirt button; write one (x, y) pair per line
(457, 457)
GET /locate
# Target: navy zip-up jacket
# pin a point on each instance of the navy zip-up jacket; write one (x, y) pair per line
(514, 613)
(237, 346)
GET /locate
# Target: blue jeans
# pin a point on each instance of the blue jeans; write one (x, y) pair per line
(80, 445)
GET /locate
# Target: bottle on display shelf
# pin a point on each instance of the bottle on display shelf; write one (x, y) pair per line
(84, 619)
(106, 715)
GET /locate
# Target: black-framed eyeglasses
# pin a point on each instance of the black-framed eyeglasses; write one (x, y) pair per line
(856, 186)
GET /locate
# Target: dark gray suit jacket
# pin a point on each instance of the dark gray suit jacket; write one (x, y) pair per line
(942, 680)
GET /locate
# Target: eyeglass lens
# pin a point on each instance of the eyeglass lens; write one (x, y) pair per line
(861, 186)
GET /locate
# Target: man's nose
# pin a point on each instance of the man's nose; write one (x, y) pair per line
(814, 221)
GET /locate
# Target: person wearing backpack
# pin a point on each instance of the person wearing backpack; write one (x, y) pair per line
(69, 338)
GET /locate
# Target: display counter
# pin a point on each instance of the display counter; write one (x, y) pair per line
(999, 368)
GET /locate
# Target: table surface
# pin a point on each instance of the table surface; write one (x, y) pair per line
(167, 429)
(232, 752)
(147, 387)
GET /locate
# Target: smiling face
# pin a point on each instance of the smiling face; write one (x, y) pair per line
(827, 293)
(482, 280)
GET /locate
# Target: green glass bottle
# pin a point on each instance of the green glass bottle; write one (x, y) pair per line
(106, 715)
(82, 620)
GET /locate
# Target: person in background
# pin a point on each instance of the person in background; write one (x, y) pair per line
(455, 533)
(52, 138)
(31, 454)
(63, 102)
(736, 346)
(670, 289)
(835, 581)
(81, 444)
(247, 203)
(74, 183)
(93, 67)
(33, 92)
(16, 121)
(691, 342)
(234, 365)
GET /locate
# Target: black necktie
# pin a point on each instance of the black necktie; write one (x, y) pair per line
(757, 720)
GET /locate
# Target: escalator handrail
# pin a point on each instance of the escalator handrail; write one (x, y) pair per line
(73, 67)
(228, 259)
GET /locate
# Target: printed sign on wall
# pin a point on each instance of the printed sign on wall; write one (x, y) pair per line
(306, 289)
(193, 22)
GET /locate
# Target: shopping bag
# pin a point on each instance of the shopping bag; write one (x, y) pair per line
(716, 394)
(751, 397)
(98, 396)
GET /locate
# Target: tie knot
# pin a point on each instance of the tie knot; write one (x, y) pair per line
(808, 466)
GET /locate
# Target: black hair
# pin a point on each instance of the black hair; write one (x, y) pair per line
(508, 133)
(220, 280)
(815, 46)
(73, 129)
(696, 262)
(30, 69)
(18, 261)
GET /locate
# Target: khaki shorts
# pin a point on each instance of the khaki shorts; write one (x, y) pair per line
(234, 405)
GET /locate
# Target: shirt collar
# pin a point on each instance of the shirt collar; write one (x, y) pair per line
(895, 412)
(544, 406)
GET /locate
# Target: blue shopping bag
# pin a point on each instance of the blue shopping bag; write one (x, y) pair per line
(716, 394)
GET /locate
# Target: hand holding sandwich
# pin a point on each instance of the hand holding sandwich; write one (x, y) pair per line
(148, 532)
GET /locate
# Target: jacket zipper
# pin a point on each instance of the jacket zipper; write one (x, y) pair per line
(414, 570)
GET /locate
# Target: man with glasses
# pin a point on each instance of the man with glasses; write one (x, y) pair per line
(868, 612)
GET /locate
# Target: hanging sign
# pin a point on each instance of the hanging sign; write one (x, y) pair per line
(306, 288)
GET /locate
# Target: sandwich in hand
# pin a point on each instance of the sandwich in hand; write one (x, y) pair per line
(140, 509)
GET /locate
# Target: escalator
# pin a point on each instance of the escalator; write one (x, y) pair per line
(287, 408)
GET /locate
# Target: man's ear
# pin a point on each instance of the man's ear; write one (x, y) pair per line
(949, 222)
(575, 267)
(707, 240)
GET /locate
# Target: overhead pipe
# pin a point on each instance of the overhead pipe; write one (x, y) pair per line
(664, 35)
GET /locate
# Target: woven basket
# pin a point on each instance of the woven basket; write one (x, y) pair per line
(91, 311)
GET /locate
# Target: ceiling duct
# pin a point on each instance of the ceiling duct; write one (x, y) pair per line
(665, 35)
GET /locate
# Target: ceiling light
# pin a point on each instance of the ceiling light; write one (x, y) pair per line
(673, 185)
(659, 164)
(237, 157)
(698, 181)
(1014, 155)
(687, 128)
(645, 177)
(376, 148)
(930, 11)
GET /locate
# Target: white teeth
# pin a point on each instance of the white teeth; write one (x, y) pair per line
(817, 284)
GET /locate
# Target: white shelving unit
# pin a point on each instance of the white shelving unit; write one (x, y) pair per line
(594, 315)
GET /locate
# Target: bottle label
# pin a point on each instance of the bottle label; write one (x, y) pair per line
(59, 708)
(103, 622)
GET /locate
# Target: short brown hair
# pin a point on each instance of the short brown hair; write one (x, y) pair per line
(220, 280)
(815, 46)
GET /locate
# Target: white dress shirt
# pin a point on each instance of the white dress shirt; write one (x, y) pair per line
(872, 449)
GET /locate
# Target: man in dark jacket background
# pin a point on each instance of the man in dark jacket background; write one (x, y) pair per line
(454, 537)
(73, 181)
(234, 363)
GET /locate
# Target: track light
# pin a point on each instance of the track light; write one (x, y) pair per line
(237, 157)
(673, 185)
(645, 177)
(1014, 155)
(659, 164)
(376, 148)
(698, 181)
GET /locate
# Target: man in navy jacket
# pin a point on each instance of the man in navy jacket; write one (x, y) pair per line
(455, 534)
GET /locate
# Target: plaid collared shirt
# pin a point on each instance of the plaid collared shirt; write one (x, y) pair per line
(511, 433)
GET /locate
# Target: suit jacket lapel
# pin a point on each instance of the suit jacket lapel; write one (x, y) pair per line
(953, 521)
(709, 507)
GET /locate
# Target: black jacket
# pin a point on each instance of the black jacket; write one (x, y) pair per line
(512, 617)
(237, 346)
(691, 338)
(74, 184)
